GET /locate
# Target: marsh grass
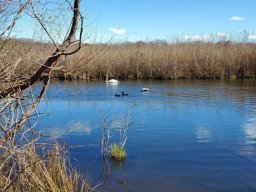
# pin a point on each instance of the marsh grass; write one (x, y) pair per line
(38, 168)
(151, 60)
(117, 152)
(194, 60)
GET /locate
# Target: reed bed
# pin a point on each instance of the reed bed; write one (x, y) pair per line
(21, 58)
(152, 60)
(142, 60)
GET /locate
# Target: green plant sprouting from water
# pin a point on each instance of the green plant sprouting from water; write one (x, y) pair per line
(117, 152)
(114, 137)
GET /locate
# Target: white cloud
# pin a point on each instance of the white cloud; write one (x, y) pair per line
(209, 37)
(220, 36)
(251, 37)
(223, 36)
(116, 31)
(236, 18)
(197, 38)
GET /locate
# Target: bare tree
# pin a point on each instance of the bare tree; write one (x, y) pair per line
(18, 101)
(12, 88)
(52, 60)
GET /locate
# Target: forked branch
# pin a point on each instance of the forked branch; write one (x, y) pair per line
(54, 58)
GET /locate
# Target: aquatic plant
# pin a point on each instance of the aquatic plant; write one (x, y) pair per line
(113, 132)
(117, 152)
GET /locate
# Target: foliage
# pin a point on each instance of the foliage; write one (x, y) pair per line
(117, 152)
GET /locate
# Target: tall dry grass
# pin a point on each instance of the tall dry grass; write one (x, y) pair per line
(38, 167)
(21, 58)
(165, 61)
(222, 60)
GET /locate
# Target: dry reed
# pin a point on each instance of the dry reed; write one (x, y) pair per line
(198, 60)
(164, 61)
(38, 167)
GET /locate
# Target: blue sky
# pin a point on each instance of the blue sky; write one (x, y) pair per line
(134, 20)
(147, 20)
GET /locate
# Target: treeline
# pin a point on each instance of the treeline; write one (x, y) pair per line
(158, 60)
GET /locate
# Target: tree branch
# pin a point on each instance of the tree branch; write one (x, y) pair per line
(17, 16)
(53, 59)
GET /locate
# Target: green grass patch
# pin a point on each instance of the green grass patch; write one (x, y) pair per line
(117, 153)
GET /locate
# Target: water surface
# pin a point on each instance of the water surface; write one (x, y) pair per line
(186, 135)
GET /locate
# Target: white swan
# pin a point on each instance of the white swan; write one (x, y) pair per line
(111, 80)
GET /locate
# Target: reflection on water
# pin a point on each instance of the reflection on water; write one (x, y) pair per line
(250, 130)
(73, 128)
(203, 135)
(185, 136)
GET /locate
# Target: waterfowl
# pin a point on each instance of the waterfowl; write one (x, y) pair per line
(117, 95)
(124, 94)
(111, 80)
(145, 89)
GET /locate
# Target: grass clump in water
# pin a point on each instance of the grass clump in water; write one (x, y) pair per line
(117, 153)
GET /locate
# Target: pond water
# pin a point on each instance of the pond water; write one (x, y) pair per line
(185, 135)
